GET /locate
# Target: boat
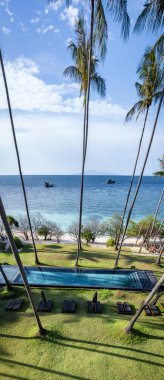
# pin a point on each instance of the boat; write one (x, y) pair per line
(47, 184)
(110, 181)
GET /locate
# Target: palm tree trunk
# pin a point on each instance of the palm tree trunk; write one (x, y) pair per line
(139, 234)
(20, 266)
(156, 212)
(85, 134)
(159, 229)
(8, 285)
(158, 261)
(141, 175)
(132, 179)
(81, 186)
(17, 154)
(128, 329)
(145, 238)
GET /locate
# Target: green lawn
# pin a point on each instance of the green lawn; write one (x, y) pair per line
(81, 346)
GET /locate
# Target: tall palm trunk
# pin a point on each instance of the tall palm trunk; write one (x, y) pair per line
(17, 154)
(141, 175)
(159, 229)
(85, 128)
(158, 261)
(138, 236)
(128, 329)
(8, 284)
(132, 179)
(20, 266)
(82, 183)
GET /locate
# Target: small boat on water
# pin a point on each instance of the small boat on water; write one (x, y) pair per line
(110, 181)
(47, 184)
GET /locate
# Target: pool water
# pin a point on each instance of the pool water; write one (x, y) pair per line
(83, 278)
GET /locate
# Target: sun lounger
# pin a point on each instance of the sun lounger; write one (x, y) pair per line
(17, 305)
(72, 307)
(10, 305)
(93, 307)
(41, 305)
(120, 308)
(98, 308)
(127, 307)
(155, 311)
(48, 306)
(65, 306)
(147, 311)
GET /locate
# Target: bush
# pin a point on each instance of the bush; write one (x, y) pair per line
(88, 235)
(18, 242)
(110, 242)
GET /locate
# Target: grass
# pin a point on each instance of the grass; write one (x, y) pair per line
(80, 346)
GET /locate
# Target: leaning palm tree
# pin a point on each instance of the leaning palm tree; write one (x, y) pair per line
(79, 72)
(20, 266)
(149, 90)
(141, 174)
(156, 289)
(151, 17)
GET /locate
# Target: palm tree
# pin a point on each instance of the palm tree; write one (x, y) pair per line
(156, 288)
(149, 90)
(17, 155)
(20, 266)
(141, 175)
(161, 172)
(79, 72)
(151, 17)
(161, 251)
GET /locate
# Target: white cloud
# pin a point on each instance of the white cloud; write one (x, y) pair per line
(35, 20)
(53, 6)
(69, 14)
(23, 27)
(29, 93)
(50, 28)
(6, 30)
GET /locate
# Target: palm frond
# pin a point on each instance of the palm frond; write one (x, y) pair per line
(119, 10)
(98, 83)
(72, 72)
(160, 173)
(157, 96)
(101, 28)
(136, 109)
(151, 17)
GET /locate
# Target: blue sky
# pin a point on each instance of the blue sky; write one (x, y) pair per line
(47, 110)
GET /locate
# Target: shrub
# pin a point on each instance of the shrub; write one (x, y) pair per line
(88, 235)
(110, 242)
(18, 242)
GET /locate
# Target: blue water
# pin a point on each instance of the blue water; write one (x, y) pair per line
(61, 203)
(84, 278)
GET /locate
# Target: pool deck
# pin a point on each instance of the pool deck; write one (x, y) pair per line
(146, 282)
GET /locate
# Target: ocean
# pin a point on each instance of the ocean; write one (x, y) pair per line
(61, 202)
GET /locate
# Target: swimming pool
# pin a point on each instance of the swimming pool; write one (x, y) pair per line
(82, 278)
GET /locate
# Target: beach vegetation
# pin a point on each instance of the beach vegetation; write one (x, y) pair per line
(88, 235)
(111, 226)
(110, 242)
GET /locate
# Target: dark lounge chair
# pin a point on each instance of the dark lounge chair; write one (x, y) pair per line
(94, 306)
(72, 307)
(120, 308)
(18, 304)
(127, 307)
(48, 306)
(10, 305)
(44, 304)
(147, 311)
(65, 306)
(41, 305)
(154, 309)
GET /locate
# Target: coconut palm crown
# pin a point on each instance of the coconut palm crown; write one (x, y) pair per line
(161, 172)
(80, 55)
(150, 72)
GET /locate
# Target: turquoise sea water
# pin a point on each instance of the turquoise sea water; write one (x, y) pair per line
(61, 202)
